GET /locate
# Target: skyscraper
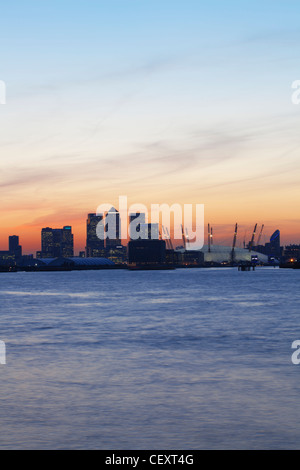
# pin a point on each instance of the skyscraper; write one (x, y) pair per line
(112, 228)
(67, 242)
(140, 230)
(14, 246)
(150, 231)
(14, 253)
(135, 222)
(275, 249)
(94, 245)
(57, 242)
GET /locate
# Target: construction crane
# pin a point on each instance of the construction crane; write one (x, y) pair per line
(234, 243)
(252, 239)
(183, 238)
(244, 242)
(164, 237)
(187, 237)
(167, 238)
(260, 234)
(210, 238)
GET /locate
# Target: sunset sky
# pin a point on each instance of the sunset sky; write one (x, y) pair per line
(163, 101)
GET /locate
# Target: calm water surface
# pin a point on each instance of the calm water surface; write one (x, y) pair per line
(186, 359)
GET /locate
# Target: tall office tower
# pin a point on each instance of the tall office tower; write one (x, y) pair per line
(67, 242)
(135, 222)
(94, 245)
(150, 231)
(58, 242)
(112, 228)
(14, 246)
(47, 250)
(275, 249)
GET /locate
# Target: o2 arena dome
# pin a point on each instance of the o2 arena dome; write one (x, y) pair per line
(222, 254)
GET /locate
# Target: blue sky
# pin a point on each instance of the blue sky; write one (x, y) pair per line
(59, 38)
(154, 99)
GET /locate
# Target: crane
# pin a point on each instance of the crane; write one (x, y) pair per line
(234, 243)
(170, 241)
(187, 237)
(183, 238)
(210, 238)
(167, 239)
(259, 237)
(252, 239)
(244, 242)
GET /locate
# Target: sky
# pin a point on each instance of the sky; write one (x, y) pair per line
(163, 101)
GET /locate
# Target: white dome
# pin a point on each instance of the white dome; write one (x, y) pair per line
(220, 254)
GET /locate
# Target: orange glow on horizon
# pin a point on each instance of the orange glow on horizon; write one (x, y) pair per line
(30, 234)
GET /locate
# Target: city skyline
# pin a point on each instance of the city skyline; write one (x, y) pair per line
(94, 246)
(146, 243)
(223, 234)
(150, 100)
